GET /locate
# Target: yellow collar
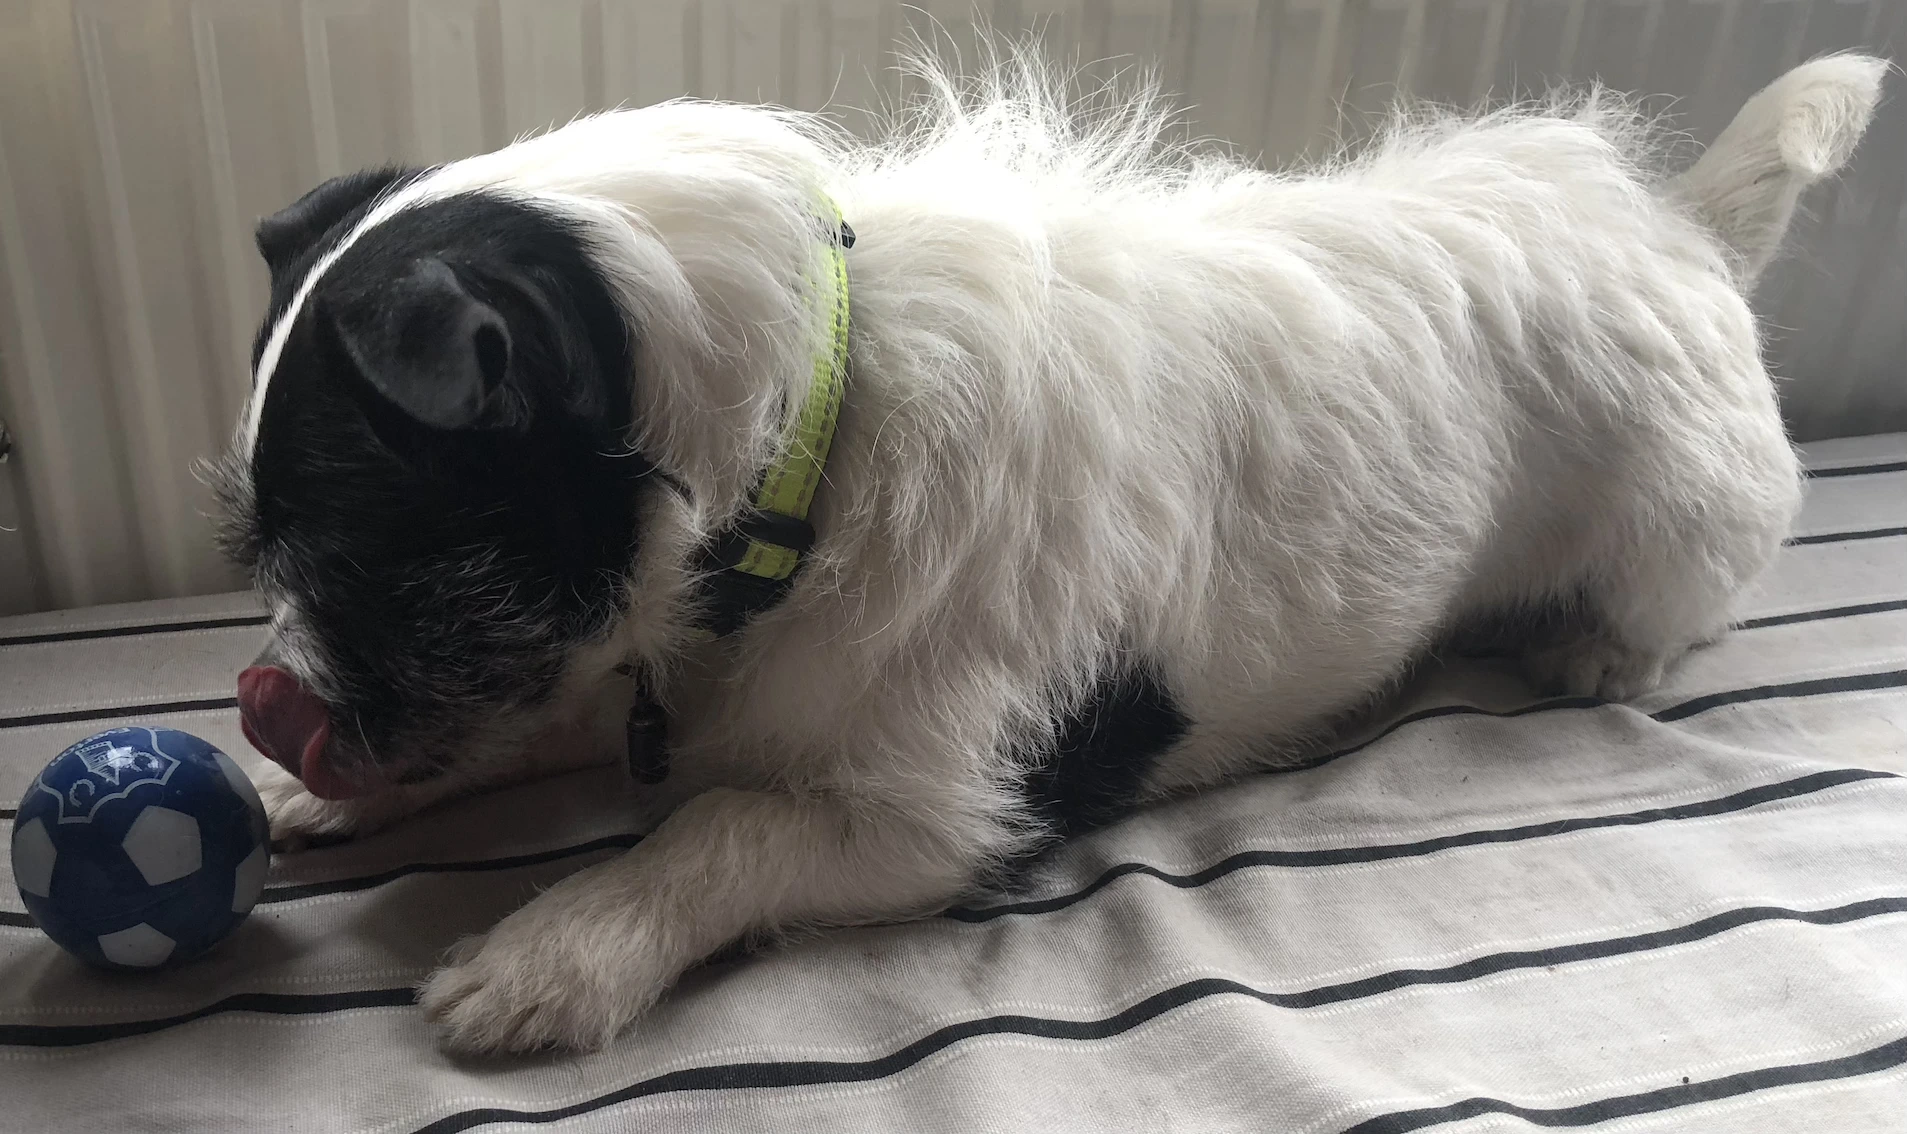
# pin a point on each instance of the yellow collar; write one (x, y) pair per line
(751, 564)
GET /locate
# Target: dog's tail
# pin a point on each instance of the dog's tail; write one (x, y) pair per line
(1797, 130)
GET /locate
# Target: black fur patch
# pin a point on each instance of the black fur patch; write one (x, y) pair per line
(1103, 753)
(296, 236)
(446, 546)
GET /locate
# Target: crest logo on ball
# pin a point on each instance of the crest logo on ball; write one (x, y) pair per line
(109, 765)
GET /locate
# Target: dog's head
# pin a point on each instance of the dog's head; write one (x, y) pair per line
(434, 488)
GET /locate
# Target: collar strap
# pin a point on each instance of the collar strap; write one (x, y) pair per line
(749, 566)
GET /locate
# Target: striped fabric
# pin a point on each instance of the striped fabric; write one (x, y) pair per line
(1487, 912)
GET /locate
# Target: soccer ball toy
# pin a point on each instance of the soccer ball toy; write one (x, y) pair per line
(140, 847)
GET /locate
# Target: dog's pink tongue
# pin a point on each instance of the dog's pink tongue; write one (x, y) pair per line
(290, 724)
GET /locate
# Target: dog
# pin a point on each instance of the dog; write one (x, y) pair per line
(1076, 469)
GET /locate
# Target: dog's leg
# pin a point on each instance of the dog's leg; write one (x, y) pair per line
(1667, 579)
(578, 963)
(1602, 663)
(1637, 624)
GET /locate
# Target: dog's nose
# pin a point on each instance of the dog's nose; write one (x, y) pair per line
(290, 724)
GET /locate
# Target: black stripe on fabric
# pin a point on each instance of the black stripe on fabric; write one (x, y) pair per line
(135, 631)
(267, 1003)
(1844, 683)
(368, 881)
(1887, 1055)
(1340, 856)
(273, 894)
(1845, 537)
(119, 712)
(1822, 615)
(1552, 705)
(1857, 470)
(737, 1076)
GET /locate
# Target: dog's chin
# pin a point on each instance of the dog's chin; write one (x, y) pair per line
(337, 773)
(324, 780)
(328, 776)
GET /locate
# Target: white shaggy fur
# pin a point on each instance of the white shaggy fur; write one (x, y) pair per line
(1114, 402)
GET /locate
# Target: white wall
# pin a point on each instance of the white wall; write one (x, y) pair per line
(141, 139)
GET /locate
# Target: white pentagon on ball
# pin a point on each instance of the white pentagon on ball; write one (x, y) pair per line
(164, 845)
(141, 946)
(33, 855)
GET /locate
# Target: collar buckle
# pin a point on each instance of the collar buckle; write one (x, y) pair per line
(730, 551)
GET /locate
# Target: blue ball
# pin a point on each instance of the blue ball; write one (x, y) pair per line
(140, 847)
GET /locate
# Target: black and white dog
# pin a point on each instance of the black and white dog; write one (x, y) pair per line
(1149, 465)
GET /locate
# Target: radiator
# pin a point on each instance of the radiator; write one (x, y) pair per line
(141, 139)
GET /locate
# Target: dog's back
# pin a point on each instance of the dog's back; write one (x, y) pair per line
(1484, 364)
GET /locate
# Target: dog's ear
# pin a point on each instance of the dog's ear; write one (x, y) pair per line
(430, 349)
(288, 233)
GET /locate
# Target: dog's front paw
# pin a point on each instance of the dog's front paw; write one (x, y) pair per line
(535, 983)
(300, 819)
